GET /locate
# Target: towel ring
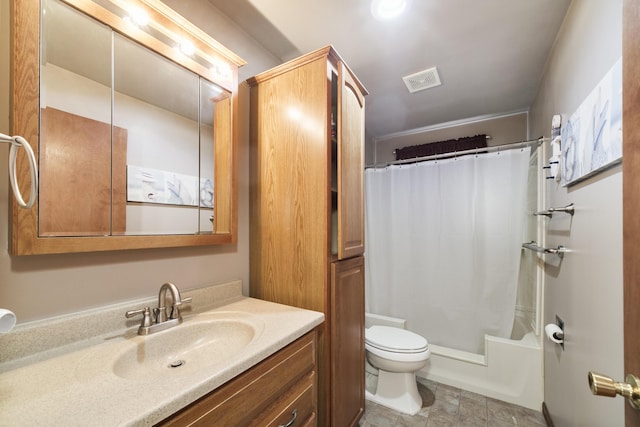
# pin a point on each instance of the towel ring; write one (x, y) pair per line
(17, 142)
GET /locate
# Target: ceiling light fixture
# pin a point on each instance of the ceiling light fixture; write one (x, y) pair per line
(387, 9)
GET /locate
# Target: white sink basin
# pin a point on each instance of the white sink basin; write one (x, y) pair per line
(200, 344)
(184, 348)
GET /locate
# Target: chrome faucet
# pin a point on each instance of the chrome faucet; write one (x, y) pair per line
(161, 311)
(161, 321)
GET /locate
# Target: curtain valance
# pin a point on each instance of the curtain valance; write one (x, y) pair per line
(441, 147)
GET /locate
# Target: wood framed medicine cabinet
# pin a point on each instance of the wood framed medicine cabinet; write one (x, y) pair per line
(100, 189)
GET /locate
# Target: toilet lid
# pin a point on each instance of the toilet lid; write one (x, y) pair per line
(395, 339)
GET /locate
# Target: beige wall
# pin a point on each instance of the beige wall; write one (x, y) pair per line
(502, 129)
(585, 289)
(39, 287)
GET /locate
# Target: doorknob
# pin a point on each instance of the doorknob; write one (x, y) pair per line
(602, 385)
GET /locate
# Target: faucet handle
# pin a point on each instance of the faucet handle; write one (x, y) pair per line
(175, 310)
(160, 314)
(146, 316)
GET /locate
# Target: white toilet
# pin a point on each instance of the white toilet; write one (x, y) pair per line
(397, 354)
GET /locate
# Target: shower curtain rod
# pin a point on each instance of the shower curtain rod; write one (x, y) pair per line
(492, 148)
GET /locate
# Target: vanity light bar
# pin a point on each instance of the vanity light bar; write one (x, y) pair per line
(138, 17)
(185, 43)
(203, 40)
(178, 41)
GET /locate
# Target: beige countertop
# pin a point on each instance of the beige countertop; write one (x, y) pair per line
(76, 384)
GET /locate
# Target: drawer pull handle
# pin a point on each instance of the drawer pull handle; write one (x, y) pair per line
(292, 420)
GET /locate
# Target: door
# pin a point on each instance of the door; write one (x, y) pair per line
(631, 192)
(630, 217)
(350, 167)
(347, 342)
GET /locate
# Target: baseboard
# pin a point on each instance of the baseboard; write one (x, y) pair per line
(547, 415)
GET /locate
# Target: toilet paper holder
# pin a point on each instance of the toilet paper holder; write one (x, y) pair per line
(559, 336)
(555, 331)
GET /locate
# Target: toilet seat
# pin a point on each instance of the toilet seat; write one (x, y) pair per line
(395, 340)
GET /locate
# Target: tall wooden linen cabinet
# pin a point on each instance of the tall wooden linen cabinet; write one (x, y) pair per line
(307, 213)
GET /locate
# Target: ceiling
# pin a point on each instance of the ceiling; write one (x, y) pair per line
(490, 54)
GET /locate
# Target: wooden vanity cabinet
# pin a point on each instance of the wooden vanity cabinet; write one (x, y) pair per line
(269, 394)
(307, 215)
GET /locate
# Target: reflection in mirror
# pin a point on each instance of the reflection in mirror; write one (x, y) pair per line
(75, 135)
(209, 93)
(157, 102)
(135, 160)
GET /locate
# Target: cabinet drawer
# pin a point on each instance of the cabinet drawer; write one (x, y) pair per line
(301, 399)
(250, 395)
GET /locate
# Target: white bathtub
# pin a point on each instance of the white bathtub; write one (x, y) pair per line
(510, 370)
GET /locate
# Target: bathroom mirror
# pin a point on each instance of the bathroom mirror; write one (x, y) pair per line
(135, 115)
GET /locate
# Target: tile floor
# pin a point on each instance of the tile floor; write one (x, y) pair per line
(445, 406)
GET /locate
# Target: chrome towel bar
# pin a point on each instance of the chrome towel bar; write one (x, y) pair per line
(533, 246)
(569, 209)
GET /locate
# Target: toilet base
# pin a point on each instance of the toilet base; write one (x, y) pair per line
(397, 391)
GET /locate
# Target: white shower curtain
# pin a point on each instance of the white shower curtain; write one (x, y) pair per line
(443, 243)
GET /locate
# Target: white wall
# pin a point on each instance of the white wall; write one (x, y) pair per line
(585, 289)
(38, 287)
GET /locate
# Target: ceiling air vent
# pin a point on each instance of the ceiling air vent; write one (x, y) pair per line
(422, 80)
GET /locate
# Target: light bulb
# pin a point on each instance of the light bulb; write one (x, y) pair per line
(138, 17)
(187, 48)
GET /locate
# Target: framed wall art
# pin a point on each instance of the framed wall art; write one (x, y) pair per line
(592, 137)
